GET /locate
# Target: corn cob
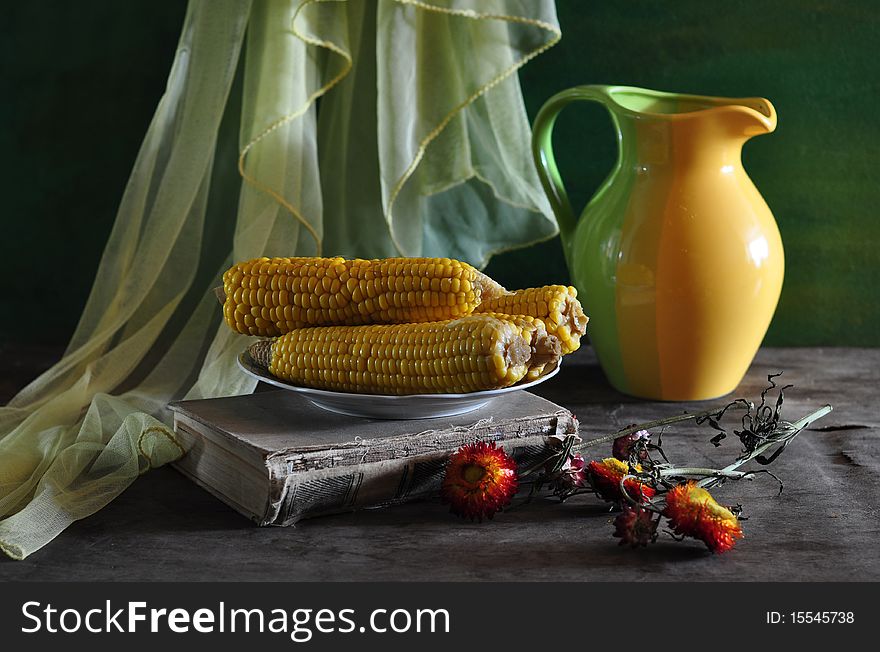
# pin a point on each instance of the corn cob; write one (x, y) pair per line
(271, 296)
(473, 353)
(556, 305)
(546, 349)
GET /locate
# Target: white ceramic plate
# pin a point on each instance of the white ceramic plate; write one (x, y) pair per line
(380, 406)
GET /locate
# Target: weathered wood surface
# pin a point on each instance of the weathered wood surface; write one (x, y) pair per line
(825, 526)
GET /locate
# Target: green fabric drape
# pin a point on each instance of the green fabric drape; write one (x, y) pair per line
(419, 147)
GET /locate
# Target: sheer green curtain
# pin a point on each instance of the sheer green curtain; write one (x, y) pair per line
(357, 128)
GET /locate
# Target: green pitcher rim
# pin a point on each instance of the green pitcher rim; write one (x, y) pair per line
(695, 105)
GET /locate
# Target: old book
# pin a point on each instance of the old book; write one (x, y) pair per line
(276, 458)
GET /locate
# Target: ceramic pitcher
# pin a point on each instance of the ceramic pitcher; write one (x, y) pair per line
(677, 258)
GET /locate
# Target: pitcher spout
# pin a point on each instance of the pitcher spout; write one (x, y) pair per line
(752, 116)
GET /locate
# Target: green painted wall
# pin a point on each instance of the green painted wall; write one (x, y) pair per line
(80, 82)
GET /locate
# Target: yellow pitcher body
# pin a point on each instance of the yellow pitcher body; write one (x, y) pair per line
(677, 258)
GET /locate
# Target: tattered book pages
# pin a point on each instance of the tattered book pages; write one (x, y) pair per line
(276, 458)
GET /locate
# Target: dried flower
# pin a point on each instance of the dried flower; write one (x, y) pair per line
(480, 480)
(570, 477)
(693, 512)
(605, 477)
(623, 446)
(635, 526)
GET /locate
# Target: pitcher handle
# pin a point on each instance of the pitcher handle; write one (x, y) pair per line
(542, 151)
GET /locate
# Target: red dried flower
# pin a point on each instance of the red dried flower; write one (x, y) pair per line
(480, 480)
(571, 477)
(693, 512)
(623, 446)
(605, 477)
(635, 526)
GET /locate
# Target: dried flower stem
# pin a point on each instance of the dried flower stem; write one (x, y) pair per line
(779, 438)
(783, 435)
(657, 423)
(698, 472)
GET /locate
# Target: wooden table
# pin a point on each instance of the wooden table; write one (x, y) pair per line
(825, 526)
